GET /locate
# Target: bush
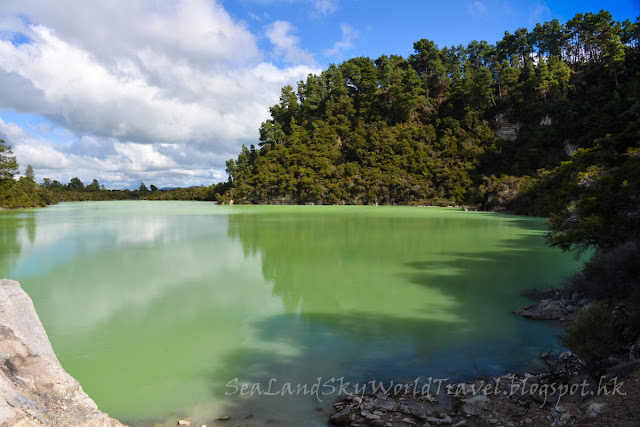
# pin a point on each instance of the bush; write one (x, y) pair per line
(591, 334)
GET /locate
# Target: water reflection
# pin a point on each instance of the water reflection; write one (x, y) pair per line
(17, 230)
(155, 306)
(394, 296)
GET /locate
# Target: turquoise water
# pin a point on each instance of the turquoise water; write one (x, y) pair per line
(156, 307)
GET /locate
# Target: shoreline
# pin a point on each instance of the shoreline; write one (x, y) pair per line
(565, 395)
(35, 388)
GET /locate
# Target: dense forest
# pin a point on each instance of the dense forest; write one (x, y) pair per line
(540, 122)
(26, 193)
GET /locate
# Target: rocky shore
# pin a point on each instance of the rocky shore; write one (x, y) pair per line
(34, 388)
(564, 393)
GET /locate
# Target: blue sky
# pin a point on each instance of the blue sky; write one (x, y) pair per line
(164, 91)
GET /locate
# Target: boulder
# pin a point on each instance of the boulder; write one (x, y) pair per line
(474, 405)
(343, 418)
(384, 405)
(593, 410)
(415, 408)
(547, 309)
(35, 389)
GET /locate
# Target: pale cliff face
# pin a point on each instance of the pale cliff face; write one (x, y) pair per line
(35, 388)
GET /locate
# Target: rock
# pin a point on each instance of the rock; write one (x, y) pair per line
(384, 405)
(506, 129)
(462, 423)
(474, 405)
(35, 389)
(414, 408)
(571, 308)
(593, 410)
(569, 148)
(225, 418)
(343, 418)
(184, 423)
(547, 309)
(408, 421)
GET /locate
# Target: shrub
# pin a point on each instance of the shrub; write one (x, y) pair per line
(591, 334)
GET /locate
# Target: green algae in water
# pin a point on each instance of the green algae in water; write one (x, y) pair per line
(156, 306)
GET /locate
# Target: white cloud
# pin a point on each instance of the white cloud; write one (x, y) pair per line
(182, 76)
(286, 44)
(348, 36)
(319, 8)
(116, 164)
(325, 7)
(478, 9)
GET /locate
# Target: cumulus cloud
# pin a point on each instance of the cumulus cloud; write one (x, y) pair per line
(144, 88)
(349, 34)
(116, 164)
(287, 44)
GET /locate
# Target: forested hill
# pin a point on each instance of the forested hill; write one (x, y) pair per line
(521, 125)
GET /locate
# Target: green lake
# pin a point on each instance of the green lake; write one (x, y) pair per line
(155, 307)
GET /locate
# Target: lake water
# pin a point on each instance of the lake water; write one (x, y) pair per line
(156, 307)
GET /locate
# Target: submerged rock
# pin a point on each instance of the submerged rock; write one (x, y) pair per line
(35, 389)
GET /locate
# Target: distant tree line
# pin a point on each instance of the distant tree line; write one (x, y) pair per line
(26, 193)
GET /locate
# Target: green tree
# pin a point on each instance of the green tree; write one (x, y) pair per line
(29, 175)
(75, 184)
(94, 186)
(8, 164)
